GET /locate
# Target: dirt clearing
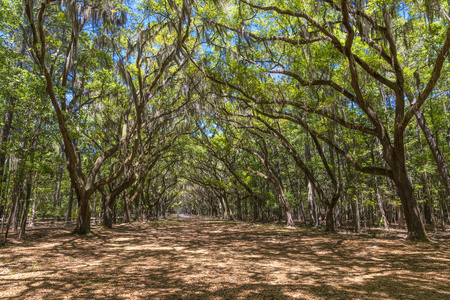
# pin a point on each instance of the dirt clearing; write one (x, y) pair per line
(189, 258)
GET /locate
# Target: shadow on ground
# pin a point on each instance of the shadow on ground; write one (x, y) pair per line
(206, 259)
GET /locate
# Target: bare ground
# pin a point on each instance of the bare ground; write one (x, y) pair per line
(210, 259)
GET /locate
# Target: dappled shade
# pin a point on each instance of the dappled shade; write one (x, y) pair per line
(192, 258)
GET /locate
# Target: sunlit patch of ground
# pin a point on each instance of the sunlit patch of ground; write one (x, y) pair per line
(209, 259)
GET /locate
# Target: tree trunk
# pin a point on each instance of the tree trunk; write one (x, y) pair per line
(400, 217)
(444, 209)
(214, 212)
(280, 182)
(255, 209)
(84, 215)
(28, 186)
(69, 209)
(329, 226)
(8, 222)
(110, 201)
(26, 208)
(108, 213)
(330, 220)
(12, 218)
(115, 214)
(313, 213)
(444, 214)
(410, 206)
(33, 210)
(428, 205)
(163, 209)
(230, 211)
(143, 208)
(246, 208)
(18, 212)
(337, 215)
(262, 210)
(2, 207)
(300, 200)
(18, 194)
(356, 215)
(279, 210)
(287, 209)
(136, 209)
(380, 204)
(95, 209)
(239, 207)
(223, 207)
(57, 192)
(126, 209)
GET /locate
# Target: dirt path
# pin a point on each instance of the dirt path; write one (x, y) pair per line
(201, 259)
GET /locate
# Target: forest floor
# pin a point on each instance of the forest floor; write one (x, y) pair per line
(192, 258)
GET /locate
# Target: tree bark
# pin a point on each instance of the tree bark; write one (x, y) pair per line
(428, 205)
(18, 209)
(162, 206)
(57, 192)
(228, 207)
(83, 225)
(254, 209)
(380, 204)
(238, 207)
(33, 209)
(222, 206)
(261, 211)
(356, 215)
(28, 186)
(115, 214)
(444, 210)
(405, 191)
(126, 209)
(300, 200)
(330, 220)
(108, 213)
(95, 208)
(313, 212)
(287, 207)
(18, 194)
(8, 222)
(69, 208)
(26, 208)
